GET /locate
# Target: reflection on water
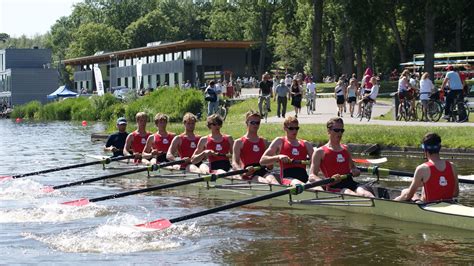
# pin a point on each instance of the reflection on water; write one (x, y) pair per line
(36, 229)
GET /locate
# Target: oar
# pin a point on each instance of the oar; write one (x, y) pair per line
(142, 169)
(370, 161)
(103, 161)
(211, 177)
(386, 172)
(165, 223)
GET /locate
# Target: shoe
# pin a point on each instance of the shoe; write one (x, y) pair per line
(269, 110)
(446, 117)
(338, 114)
(278, 116)
(283, 116)
(352, 115)
(296, 116)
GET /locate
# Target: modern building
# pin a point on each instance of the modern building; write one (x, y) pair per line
(26, 75)
(171, 63)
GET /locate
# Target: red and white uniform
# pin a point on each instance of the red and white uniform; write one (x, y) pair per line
(187, 147)
(293, 152)
(251, 152)
(139, 141)
(222, 147)
(162, 143)
(441, 184)
(335, 162)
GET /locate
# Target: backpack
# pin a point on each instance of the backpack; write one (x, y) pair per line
(210, 95)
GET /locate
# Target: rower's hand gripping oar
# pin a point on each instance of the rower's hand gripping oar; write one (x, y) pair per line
(294, 190)
(103, 162)
(375, 170)
(211, 177)
(149, 168)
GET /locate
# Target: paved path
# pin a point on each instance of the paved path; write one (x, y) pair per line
(326, 108)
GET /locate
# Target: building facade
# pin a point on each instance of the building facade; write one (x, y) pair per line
(160, 64)
(26, 75)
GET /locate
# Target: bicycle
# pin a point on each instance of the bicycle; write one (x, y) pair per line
(223, 108)
(265, 107)
(434, 109)
(366, 110)
(459, 111)
(407, 113)
(310, 108)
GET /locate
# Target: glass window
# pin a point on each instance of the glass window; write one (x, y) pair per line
(187, 55)
(159, 58)
(158, 81)
(121, 63)
(128, 62)
(151, 59)
(178, 55)
(169, 57)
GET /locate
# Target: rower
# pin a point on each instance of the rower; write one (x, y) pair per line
(248, 151)
(135, 142)
(216, 147)
(185, 144)
(335, 160)
(438, 178)
(157, 144)
(116, 141)
(286, 150)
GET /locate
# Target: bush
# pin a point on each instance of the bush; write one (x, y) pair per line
(26, 110)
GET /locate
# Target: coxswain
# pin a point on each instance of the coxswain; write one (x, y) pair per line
(116, 141)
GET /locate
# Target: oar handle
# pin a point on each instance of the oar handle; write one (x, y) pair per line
(305, 162)
(291, 190)
(214, 177)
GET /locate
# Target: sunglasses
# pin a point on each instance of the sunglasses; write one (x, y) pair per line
(337, 130)
(293, 128)
(255, 123)
(214, 124)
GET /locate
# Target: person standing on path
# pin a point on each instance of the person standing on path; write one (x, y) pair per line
(282, 94)
(311, 92)
(213, 100)
(454, 84)
(351, 93)
(339, 92)
(296, 96)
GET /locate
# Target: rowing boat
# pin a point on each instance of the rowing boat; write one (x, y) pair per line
(440, 213)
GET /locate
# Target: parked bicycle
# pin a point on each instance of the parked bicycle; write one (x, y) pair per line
(459, 111)
(407, 112)
(434, 109)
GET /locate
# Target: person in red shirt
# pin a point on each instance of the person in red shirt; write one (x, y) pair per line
(437, 177)
(157, 144)
(135, 142)
(289, 151)
(216, 147)
(334, 159)
(248, 151)
(185, 144)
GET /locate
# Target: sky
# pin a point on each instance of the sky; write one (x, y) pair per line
(30, 17)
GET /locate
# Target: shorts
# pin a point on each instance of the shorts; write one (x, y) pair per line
(222, 164)
(367, 99)
(340, 99)
(424, 103)
(161, 158)
(405, 95)
(351, 99)
(295, 173)
(262, 172)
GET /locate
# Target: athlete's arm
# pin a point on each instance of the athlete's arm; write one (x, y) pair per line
(270, 156)
(422, 172)
(200, 153)
(316, 159)
(456, 180)
(148, 150)
(236, 154)
(128, 144)
(173, 149)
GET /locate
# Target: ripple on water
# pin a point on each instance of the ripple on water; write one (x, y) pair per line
(52, 212)
(20, 189)
(118, 235)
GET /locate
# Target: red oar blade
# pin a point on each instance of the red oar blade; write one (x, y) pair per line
(370, 161)
(5, 177)
(77, 203)
(47, 189)
(159, 224)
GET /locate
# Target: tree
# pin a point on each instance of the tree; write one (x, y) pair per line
(429, 37)
(93, 37)
(4, 37)
(155, 26)
(316, 38)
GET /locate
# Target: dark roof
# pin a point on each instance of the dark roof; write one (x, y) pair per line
(169, 47)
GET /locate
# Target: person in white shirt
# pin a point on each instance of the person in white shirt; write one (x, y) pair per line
(372, 96)
(311, 92)
(426, 88)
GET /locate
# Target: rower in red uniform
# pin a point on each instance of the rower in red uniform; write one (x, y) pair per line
(248, 151)
(438, 177)
(135, 142)
(288, 151)
(185, 144)
(216, 147)
(157, 144)
(334, 160)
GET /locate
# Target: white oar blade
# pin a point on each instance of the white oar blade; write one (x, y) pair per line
(370, 161)
(77, 203)
(159, 224)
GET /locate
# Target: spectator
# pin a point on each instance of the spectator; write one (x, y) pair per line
(212, 103)
(265, 89)
(426, 88)
(296, 96)
(454, 84)
(282, 94)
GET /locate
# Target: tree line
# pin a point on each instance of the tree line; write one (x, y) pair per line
(322, 37)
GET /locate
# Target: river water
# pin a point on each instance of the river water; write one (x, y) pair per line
(36, 229)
